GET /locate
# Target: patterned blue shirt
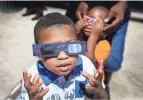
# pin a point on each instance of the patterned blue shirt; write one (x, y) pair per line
(59, 88)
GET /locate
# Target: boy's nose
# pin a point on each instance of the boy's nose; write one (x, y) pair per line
(62, 55)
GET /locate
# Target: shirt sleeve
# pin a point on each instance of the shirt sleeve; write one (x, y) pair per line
(88, 66)
(23, 94)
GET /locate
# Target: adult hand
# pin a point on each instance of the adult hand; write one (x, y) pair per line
(33, 87)
(81, 10)
(117, 11)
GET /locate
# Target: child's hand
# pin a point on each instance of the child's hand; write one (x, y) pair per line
(81, 23)
(87, 29)
(95, 83)
(97, 29)
(33, 87)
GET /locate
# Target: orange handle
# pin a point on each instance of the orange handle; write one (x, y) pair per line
(102, 51)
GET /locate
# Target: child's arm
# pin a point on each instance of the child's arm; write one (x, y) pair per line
(81, 23)
(96, 32)
(30, 90)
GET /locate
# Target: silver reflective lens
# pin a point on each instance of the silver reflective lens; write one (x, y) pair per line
(92, 20)
(74, 48)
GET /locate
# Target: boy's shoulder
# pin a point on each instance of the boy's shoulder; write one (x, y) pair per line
(87, 65)
(33, 70)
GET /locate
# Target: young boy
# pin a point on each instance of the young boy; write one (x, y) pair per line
(57, 74)
(89, 32)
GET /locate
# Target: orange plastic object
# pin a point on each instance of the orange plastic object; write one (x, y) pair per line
(102, 50)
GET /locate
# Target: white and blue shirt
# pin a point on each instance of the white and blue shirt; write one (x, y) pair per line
(59, 88)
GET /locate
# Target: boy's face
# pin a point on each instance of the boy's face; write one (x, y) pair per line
(95, 13)
(62, 64)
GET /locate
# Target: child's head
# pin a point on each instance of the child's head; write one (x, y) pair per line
(98, 11)
(56, 28)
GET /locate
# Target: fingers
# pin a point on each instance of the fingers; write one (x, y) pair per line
(38, 95)
(86, 75)
(78, 15)
(114, 23)
(87, 29)
(85, 18)
(41, 94)
(97, 28)
(110, 15)
(89, 26)
(85, 24)
(90, 78)
(87, 33)
(101, 66)
(99, 22)
(39, 84)
(89, 89)
(94, 81)
(25, 75)
(98, 76)
(34, 89)
(36, 79)
(26, 78)
(84, 12)
(99, 73)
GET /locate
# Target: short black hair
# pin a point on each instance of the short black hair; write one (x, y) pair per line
(49, 20)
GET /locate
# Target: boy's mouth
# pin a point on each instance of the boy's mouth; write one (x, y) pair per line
(64, 67)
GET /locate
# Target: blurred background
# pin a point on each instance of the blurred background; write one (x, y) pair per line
(16, 38)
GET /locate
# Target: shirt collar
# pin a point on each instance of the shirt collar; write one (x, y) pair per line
(48, 76)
